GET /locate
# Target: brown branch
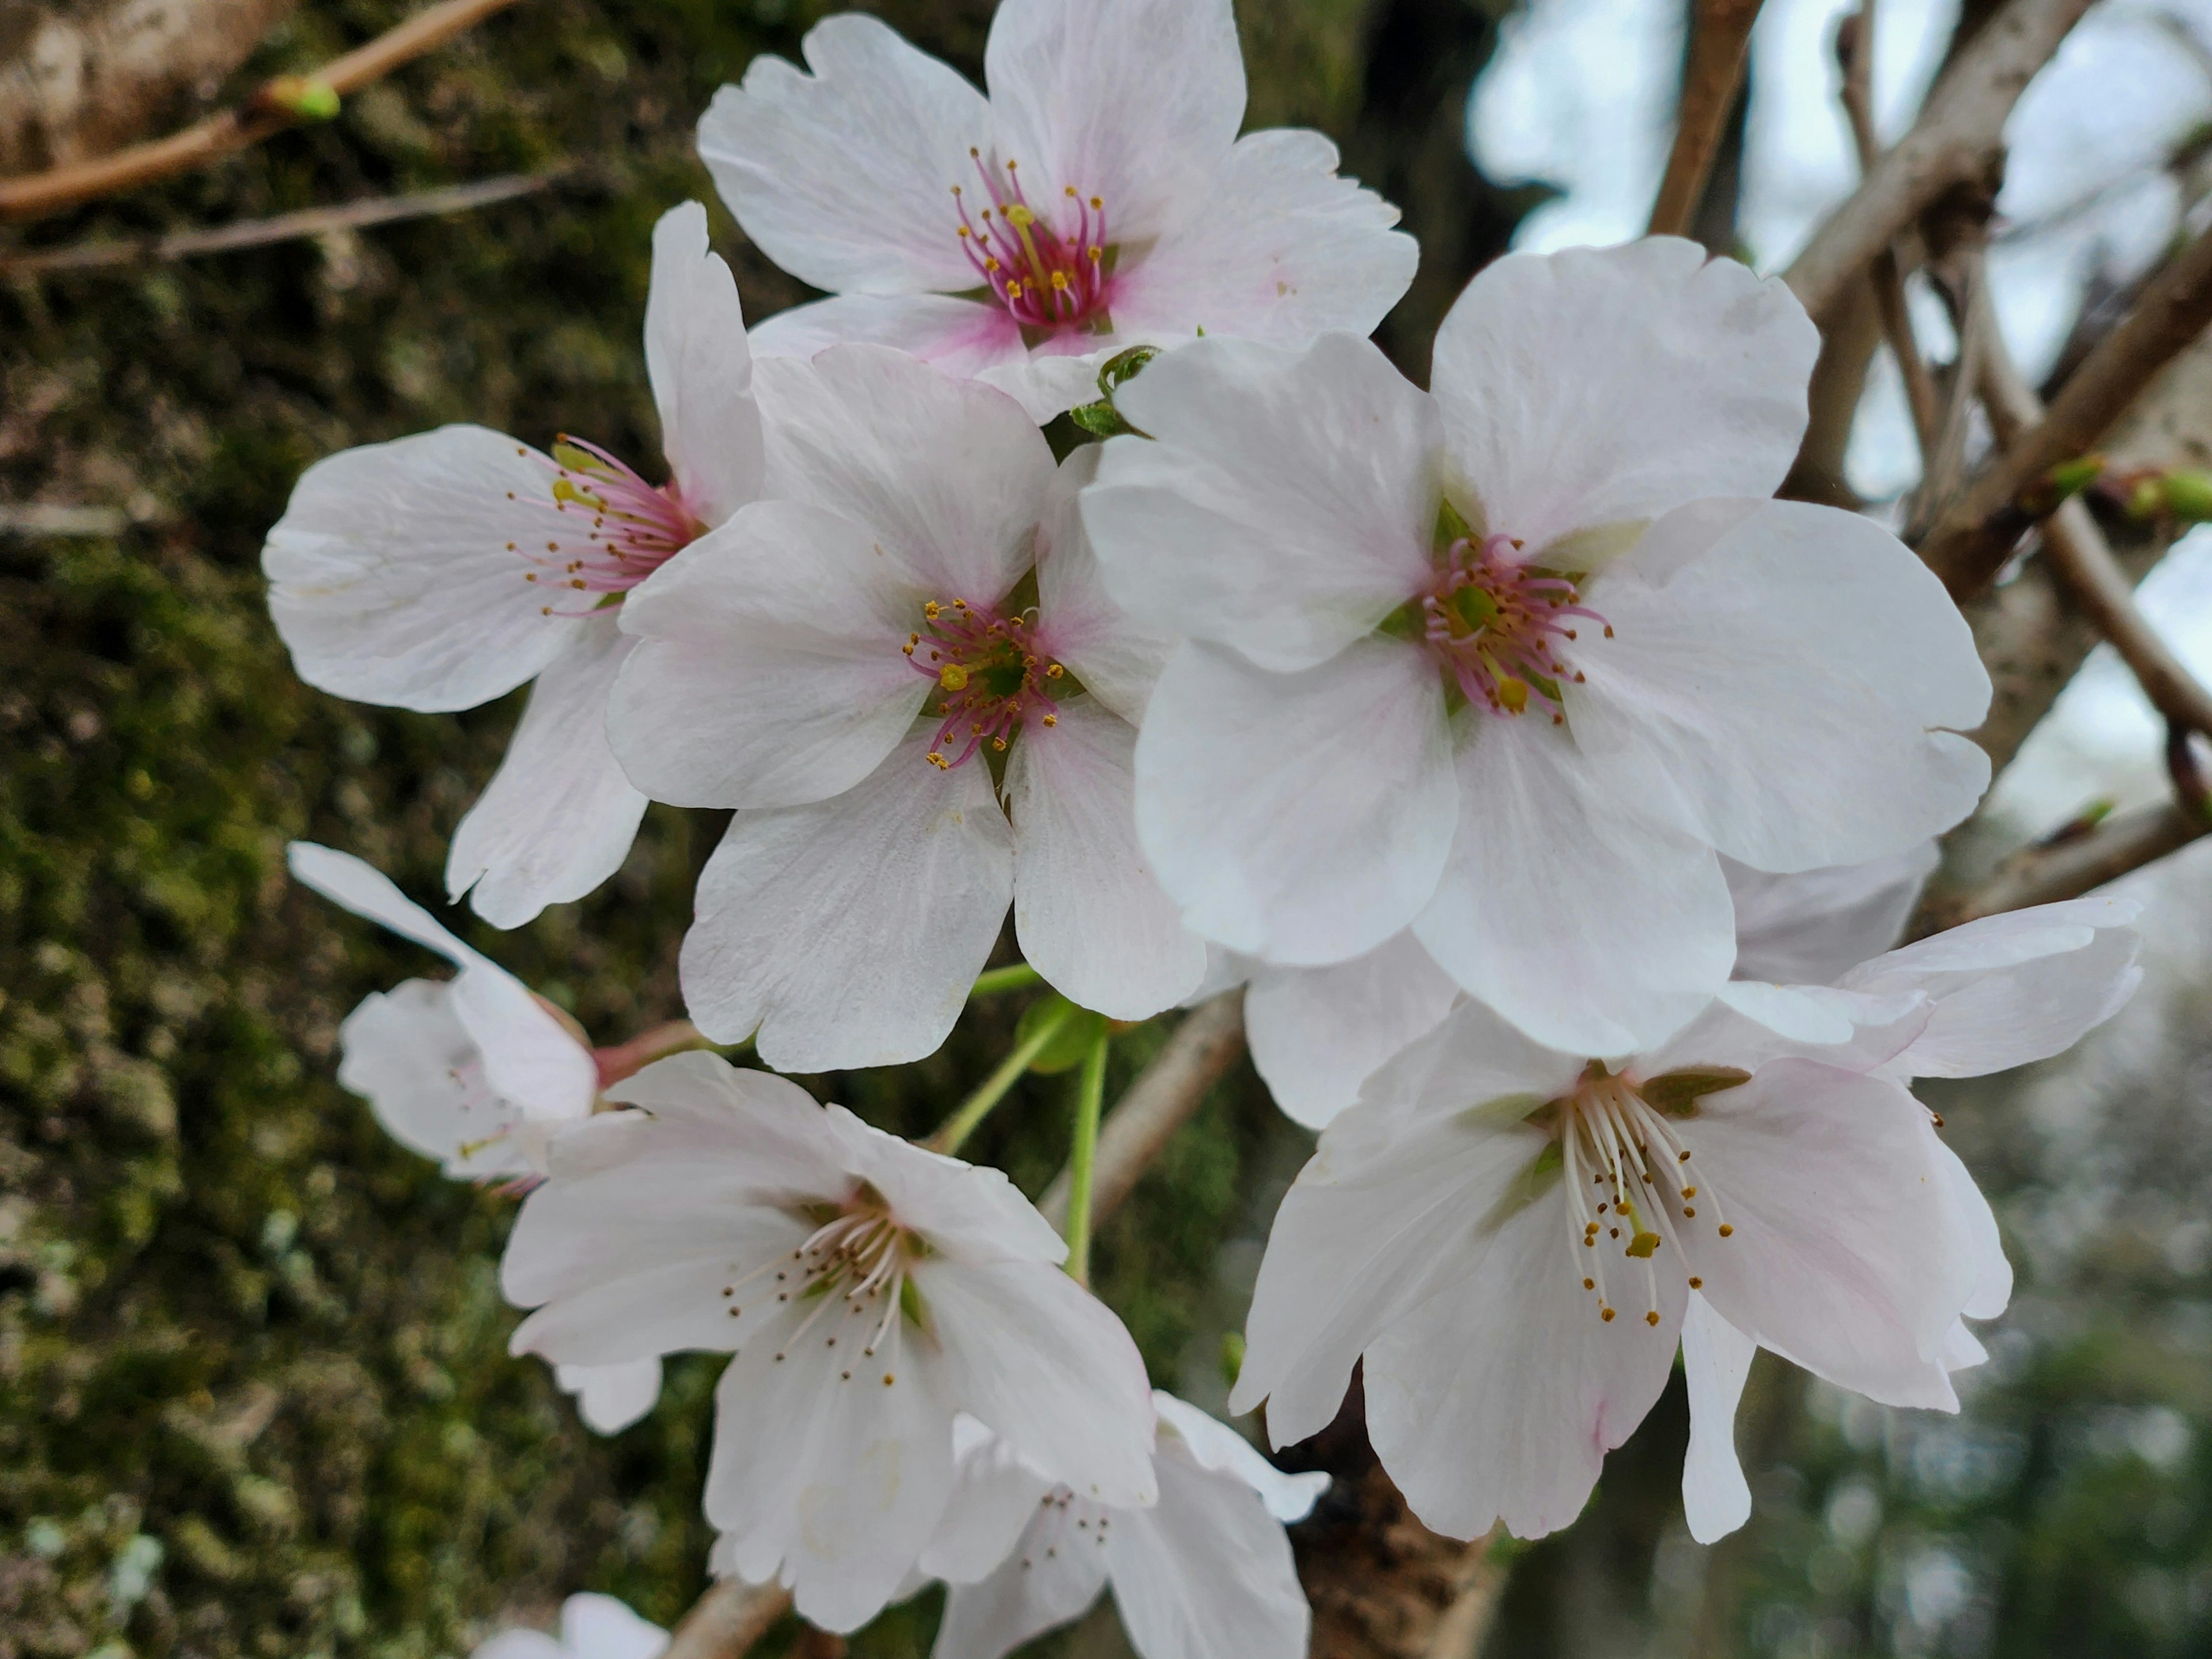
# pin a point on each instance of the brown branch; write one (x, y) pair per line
(1855, 53)
(1973, 539)
(232, 130)
(2078, 555)
(1718, 45)
(281, 227)
(1958, 141)
(2051, 871)
(1161, 1101)
(727, 1620)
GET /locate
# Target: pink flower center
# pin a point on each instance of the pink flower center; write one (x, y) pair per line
(1617, 1148)
(1049, 273)
(618, 528)
(991, 672)
(1496, 626)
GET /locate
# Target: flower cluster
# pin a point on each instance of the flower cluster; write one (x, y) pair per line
(1553, 789)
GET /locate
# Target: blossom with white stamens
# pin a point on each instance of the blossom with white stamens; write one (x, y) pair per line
(868, 1291)
(1515, 664)
(591, 1627)
(477, 1072)
(438, 571)
(1206, 1573)
(1513, 1239)
(906, 632)
(1098, 198)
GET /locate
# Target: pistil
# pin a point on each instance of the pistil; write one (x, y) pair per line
(1048, 276)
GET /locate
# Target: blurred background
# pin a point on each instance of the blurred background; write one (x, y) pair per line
(254, 1398)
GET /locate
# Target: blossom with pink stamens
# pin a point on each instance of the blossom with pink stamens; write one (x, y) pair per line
(1516, 663)
(1098, 198)
(901, 669)
(438, 571)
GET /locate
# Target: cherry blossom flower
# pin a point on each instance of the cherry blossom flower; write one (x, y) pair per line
(1100, 197)
(1513, 664)
(591, 1627)
(1206, 1573)
(851, 663)
(1513, 1239)
(1316, 1034)
(868, 1292)
(438, 571)
(477, 1072)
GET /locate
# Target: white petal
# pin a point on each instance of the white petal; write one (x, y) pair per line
(1318, 1033)
(948, 475)
(1300, 818)
(558, 816)
(610, 1398)
(600, 1627)
(832, 1482)
(1773, 683)
(1118, 661)
(1134, 103)
(702, 373)
(1992, 1272)
(1361, 1236)
(847, 933)
(1472, 1058)
(995, 1496)
(1037, 1586)
(1962, 1350)
(1207, 1573)
(844, 177)
(1280, 249)
(1810, 928)
(1498, 1396)
(1566, 906)
(406, 1053)
(1715, 1359)
(769, 671)
(520, 1644)
(961, 335)
(397, 575)
(1599, 387)
(1044, 1365)
(1845, 1256)
(2009, 989)
(1284, 504)
(1057, 375)
(1212, 1445)
(366, 891)
(1089, 913)
(971, 1214)
(1804, 1014)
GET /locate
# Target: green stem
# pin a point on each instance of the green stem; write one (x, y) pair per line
(974, 1110)
(1012, 978)
(1089, 1100)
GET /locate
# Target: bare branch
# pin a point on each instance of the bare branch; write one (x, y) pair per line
(1161, 1101)
(727, 1620)
(1957, 141)
(1719, 43)
(281, 227)
(43, 193)
(1977, 532)
(2051, 870)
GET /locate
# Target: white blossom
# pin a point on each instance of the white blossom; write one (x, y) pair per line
(1515, 1238)
(477, 1072)
(847, 662)
(1514, 663)
(1099, 198)
(591, 1627)
(1206, 1573)
(438, 571)
(868, 1292)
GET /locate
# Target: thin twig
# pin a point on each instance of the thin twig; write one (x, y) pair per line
(281, 227)
(1855, 53)
(1971, 541)
(2047, 872)
(264, 113)
(727, 1620)
(1977, 329)
(1719, 43)
(2077, 553)
(1958, 140)
(1161, 1101)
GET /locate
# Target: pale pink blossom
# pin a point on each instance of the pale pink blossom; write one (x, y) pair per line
(591, 1627)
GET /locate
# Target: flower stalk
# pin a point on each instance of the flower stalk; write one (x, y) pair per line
(977, 1107)
(1089, 1100)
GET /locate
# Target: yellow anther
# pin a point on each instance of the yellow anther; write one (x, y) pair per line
(1059, 279)
(1651, 1318)
(1055, 672)
(1513, 694)
(1606, 1314)
(991, 264)
(931, 611)
(1097, 202)
(952, 676)
(1052, 720)
(1070, 192)
(1643, 1243)
(1727, 1232)
(1697, 1284)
